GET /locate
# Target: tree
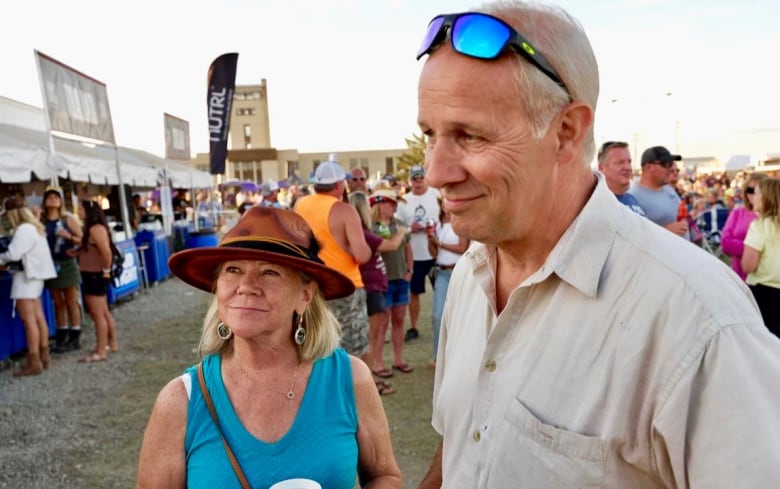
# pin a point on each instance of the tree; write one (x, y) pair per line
(414, 155)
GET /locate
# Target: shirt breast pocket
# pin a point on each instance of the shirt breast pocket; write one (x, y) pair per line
(544, 455)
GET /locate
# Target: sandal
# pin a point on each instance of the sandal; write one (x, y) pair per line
(384, 388)
(404, 367)
(91, 358)
(384, 373)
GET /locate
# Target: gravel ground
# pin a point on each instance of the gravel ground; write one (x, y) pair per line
(81, 425)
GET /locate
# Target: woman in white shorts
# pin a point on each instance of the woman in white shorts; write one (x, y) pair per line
(29, 246)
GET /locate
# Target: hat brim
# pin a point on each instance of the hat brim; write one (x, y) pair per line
(198, 267)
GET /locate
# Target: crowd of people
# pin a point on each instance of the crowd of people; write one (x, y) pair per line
(585, 341)
(71, 255)
(709, 211)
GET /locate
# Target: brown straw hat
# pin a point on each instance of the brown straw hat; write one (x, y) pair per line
(263, 233)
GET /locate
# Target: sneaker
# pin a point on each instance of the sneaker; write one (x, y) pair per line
(411, 334)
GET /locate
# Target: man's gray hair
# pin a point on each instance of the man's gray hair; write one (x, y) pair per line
(562, 41)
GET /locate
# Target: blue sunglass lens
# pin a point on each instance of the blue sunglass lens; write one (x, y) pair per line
(479, 36)
(433, 30)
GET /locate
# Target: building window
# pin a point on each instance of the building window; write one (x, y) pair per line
(353, 163)
(292, 168)
(247, 135)
(363, 162)
(389, 166)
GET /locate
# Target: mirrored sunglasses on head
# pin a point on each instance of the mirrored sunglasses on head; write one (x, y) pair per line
(483, 36)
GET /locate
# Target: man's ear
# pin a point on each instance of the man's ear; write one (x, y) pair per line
(574, 123)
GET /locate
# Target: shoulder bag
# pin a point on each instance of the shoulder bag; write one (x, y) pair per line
(233, 461)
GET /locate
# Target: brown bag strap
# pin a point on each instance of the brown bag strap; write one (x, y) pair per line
(228, 451)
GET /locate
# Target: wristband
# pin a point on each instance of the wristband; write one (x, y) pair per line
(106, 270)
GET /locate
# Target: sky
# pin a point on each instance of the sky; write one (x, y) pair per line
(695, 76)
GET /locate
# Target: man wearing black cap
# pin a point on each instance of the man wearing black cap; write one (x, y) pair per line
(659, 201)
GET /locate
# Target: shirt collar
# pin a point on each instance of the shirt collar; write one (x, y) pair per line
(580, 254)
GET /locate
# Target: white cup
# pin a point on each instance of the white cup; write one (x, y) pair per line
(297, 484)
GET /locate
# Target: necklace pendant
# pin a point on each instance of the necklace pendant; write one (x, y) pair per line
(290, 395)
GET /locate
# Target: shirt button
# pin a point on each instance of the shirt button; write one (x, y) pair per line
(477, 436)
(490, 366)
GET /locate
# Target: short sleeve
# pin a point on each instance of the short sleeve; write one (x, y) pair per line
(755, 236)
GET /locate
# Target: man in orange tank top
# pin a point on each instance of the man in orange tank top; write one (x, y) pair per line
(336, 225)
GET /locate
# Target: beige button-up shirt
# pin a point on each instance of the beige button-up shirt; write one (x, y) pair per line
(631, 359)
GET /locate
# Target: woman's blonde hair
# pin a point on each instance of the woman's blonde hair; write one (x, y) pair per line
(770, 199)
(22, 215)
(360, 202)
(323, 332)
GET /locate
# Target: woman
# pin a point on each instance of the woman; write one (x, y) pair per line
(95, 266)
(399, 266)
(447, 247)
(290, 403)
(374, 275)
(29, 245)
(63, 231)
(761, 257)
(736, 227)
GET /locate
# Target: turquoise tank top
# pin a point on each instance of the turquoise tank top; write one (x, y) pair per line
(321, 444)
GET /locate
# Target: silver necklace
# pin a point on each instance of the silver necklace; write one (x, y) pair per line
(290, 394)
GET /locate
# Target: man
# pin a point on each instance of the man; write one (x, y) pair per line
(357, 182)
(659, 201)
(420, 212)
(209, 212)
(270, 191)
(615, 164)
(674, 180)
(581, 346)
(337, 226)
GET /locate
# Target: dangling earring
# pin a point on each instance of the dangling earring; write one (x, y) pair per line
(300, 332)
(223, 331)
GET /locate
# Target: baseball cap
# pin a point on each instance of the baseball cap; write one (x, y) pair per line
(52, 189)
(329, 172)
(269, 187)
(659, 153)
(416, 171)
(383, 195)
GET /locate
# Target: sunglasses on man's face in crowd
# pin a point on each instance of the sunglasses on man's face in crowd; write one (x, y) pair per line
(665, 164)
(483, 36)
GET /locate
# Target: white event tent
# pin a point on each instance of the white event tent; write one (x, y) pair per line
(24, 150)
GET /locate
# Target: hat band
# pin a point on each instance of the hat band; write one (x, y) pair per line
(273, 246)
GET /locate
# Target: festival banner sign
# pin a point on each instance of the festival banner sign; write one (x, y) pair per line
(177, 138)
(219, 100)
(74, 102)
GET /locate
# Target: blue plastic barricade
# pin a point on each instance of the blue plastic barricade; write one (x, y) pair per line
(156, 256)
(129, 282)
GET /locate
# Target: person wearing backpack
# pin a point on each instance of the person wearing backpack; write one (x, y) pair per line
(63, 231)
(95, 260)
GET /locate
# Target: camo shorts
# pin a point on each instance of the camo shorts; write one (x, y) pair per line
(353, 317)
